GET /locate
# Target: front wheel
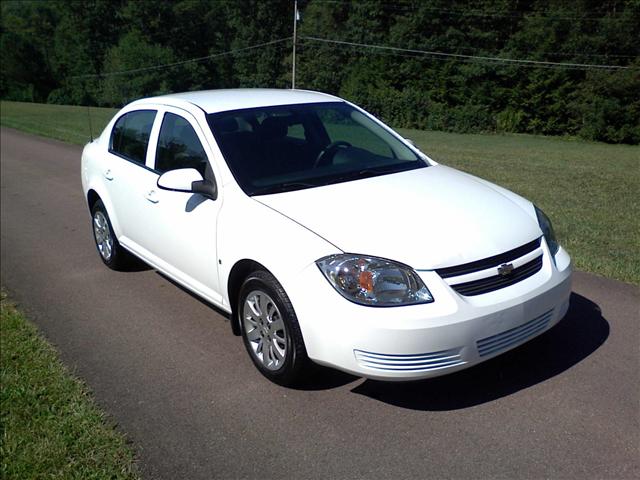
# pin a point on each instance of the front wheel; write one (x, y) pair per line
(270, 330)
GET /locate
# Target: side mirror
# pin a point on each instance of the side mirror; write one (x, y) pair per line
(187, 180)
(411, 142)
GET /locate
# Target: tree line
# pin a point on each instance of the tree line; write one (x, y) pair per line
(103, 52)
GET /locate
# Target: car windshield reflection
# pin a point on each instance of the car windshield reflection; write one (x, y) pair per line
(283, 148)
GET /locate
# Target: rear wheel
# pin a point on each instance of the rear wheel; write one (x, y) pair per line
(270, 330)
(110, 250)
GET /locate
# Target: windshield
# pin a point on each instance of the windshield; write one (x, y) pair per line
(291, 147)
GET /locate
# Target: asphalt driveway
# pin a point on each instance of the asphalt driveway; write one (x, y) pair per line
(168, 370)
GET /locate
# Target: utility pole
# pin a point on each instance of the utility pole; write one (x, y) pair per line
(295, 30)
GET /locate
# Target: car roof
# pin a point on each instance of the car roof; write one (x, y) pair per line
(213, 101)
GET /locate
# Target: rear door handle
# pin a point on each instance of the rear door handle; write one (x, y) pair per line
(108, 175)
(151, 196)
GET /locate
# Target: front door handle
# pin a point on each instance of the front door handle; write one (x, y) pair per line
(151, 196)
(108, 175)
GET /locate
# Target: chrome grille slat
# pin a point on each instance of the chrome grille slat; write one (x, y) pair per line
(413, 363)
(409, 362)
(506, 336)
(512, 341)
(414, 369)
(513, 336)
(403, 356)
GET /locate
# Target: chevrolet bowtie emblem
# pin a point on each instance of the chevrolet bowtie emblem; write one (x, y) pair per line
(505, 269)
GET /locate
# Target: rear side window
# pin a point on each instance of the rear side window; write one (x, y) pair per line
(130, 135)
(179, 146)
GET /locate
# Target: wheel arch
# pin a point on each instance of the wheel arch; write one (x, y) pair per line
(92, 198)
(239, 272)
(94, 193)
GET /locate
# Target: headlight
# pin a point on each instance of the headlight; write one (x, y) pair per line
(374, 281)
(547, 230)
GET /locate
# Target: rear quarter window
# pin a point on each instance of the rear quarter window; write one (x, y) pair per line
(130, 135)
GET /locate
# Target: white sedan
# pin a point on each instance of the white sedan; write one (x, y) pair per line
(324, 234)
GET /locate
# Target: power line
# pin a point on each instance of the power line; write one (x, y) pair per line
(183, 62)
(553, 54)
(513, 61)
(579, 54)
(462, 60)
(470, 13)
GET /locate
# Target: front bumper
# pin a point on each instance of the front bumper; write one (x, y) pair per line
(421, 341)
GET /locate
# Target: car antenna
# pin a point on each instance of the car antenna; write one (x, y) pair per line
(90, 126)
(84, 86)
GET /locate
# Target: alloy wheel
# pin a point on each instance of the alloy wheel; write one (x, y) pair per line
(265, 330)
(102, 232)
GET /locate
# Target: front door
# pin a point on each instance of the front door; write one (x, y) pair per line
(183, 225)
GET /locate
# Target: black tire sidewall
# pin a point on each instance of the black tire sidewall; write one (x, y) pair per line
(295, 357)
(115, 260)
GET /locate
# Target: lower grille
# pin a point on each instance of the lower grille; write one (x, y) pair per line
(420, 362)
(512, 337)
(489, 284)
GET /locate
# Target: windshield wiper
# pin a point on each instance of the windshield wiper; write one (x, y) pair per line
(345, 177)
(282, 187)
(357, 175)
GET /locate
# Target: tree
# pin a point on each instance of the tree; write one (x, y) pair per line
(66, 52)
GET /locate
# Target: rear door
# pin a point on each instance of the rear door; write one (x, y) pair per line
(129, 178)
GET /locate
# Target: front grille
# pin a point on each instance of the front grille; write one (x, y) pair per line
(420, 362)
(490, 262)
(489, 284)
(514, 336)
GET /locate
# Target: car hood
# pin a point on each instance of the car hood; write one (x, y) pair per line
(427, 218)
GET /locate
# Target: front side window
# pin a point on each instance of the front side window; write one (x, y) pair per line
(290, 147)
(130, 135)
(179, 146)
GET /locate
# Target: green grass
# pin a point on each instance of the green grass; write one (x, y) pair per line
(49, 424)
(590, 190)
(62, 122)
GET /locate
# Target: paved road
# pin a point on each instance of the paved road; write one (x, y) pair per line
(166, 367)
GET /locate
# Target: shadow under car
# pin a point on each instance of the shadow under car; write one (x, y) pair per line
(578, 335)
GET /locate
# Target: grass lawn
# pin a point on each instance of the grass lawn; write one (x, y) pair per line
(590, 190)
(63, 122)
(49, 425)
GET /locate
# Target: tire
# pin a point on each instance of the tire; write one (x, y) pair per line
(111, 252)
(267, 319)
